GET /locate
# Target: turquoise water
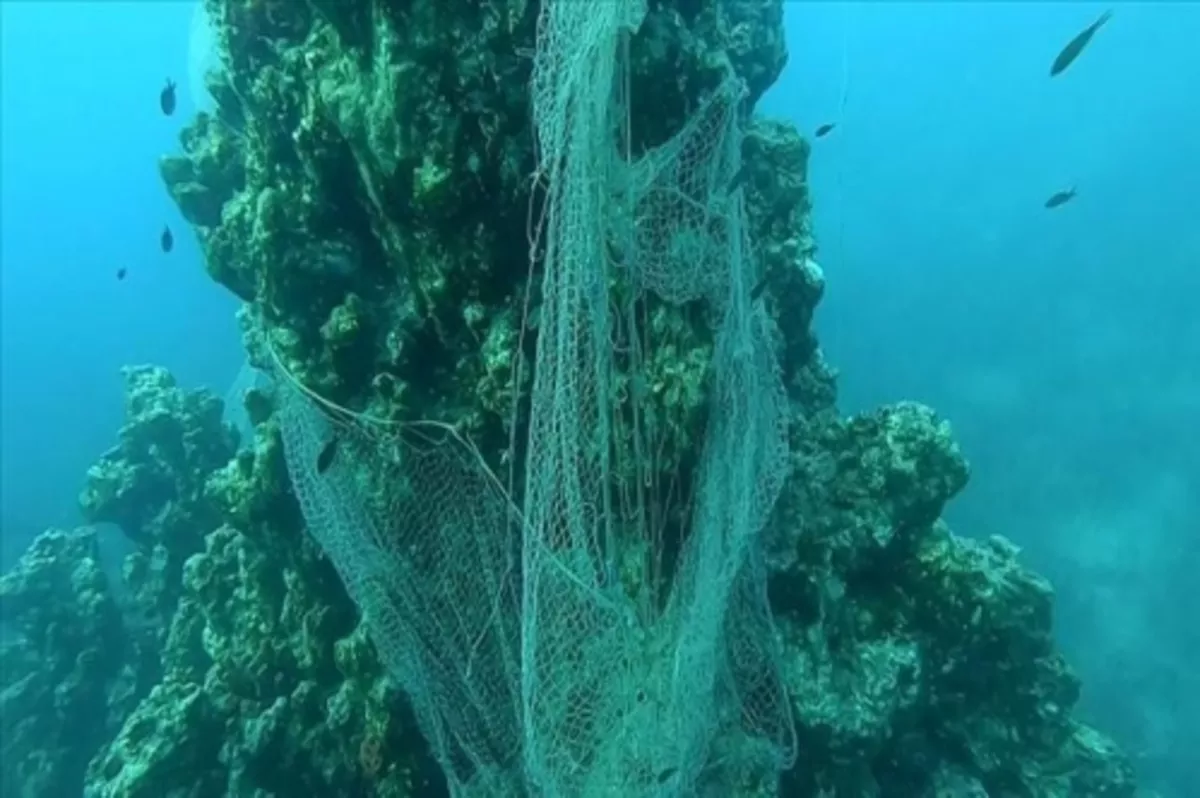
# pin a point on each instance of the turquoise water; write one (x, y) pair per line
(1063, 345)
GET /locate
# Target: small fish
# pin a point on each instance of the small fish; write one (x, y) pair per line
(842, 502)
(166, 99)
(1061, 198)
(121, 272)
(758, 289)
(738, 178)
(825, 129)
(167, 241)
(1076, 45)
(327, 455)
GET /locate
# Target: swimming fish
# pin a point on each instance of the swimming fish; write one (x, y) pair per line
(328, 453)
(168, 241)
(121, 272)
(1061, 198)
(758, 289)
(1076, 45)
(166, 98)
(738, 178)
(825, 129)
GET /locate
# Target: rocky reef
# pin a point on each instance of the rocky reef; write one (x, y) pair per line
(64, 680)
(363, 186)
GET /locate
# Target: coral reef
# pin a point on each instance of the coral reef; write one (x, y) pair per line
(268, 687)
(65, 679)
(363, 186)
(151, 485)
(919, 658)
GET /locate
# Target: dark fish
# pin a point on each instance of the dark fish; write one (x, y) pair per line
(1076, 45)
(166, 99)
(121, 272)
(168, 240)
(666, 774)
(738, 178)
(328, 453)
(758, 289)
(1061, 198)
(825, 129)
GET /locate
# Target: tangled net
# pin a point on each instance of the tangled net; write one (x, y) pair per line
(527, 634)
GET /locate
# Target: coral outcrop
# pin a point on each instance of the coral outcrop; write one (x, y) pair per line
(65, 679)
(919, 659)
(151, 485)
(267, 685)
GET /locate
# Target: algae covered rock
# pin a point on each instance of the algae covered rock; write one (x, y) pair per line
(152, 484)
(81, 640)
(65, 674)
(264, 656)
(208, 173)
(919, 659)
(170, 441)
(159, 748)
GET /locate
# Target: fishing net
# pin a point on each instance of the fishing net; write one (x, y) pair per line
(235, 413)
(527, 634)
(424, 540)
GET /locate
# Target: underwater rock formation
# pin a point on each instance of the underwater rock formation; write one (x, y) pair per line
(65, 674)
(267, 685)
(363, 185)
(152, 484)
(919, 658)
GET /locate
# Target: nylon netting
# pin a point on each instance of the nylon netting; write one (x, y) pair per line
(425, 541)
(525, 633)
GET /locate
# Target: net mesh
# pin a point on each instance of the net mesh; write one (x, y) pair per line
(524, 636)
(424, 540)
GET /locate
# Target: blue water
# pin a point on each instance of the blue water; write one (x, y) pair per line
(80, 197)
(1063, 345)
